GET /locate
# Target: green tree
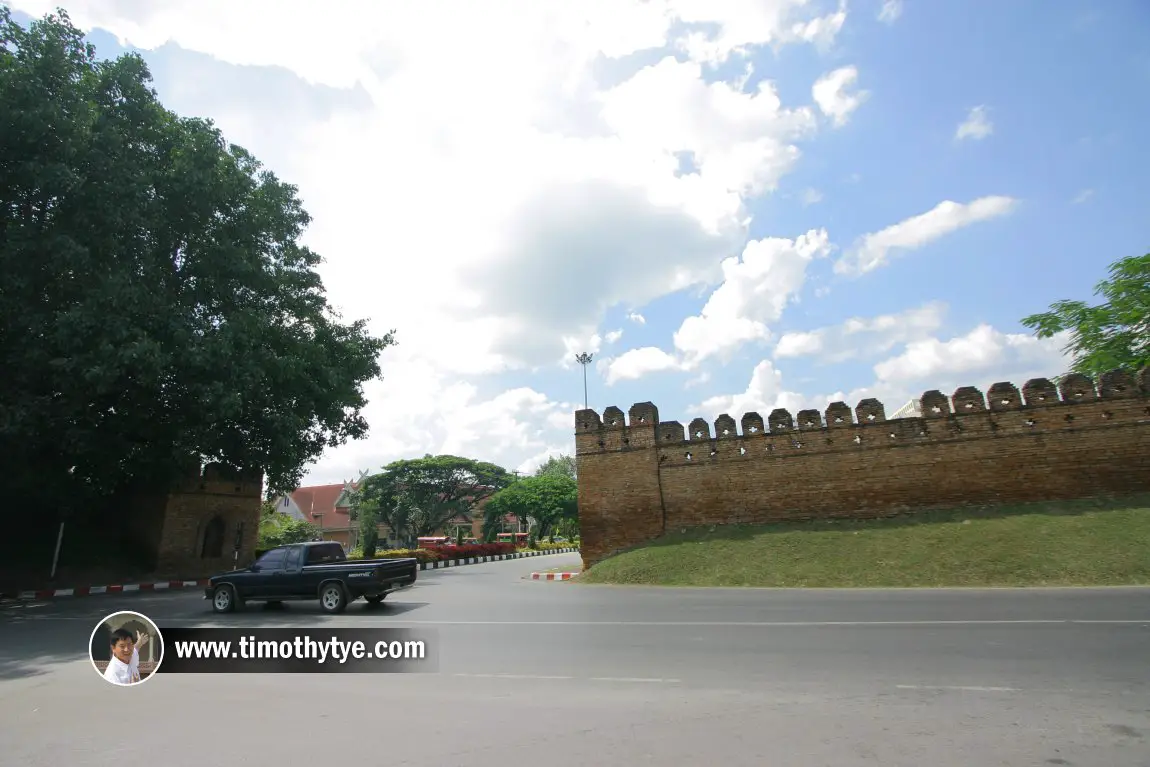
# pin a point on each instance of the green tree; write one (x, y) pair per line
(158, 309)
(1112, 334)
(562, 465)
(365, 510)
(279, 529)
(417, 497)
(542, 502)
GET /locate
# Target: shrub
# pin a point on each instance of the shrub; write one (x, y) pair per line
(423, 555)
(444, 553)
(475, 550)
(545, 546)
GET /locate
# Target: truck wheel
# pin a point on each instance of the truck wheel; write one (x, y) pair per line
(224, 599)
(333, 598)
(374, 600)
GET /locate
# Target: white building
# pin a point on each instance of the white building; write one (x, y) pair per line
(912, 409)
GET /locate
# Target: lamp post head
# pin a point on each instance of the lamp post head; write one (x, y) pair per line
(584, 358)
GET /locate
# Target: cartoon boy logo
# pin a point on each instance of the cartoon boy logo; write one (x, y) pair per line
(124, 665)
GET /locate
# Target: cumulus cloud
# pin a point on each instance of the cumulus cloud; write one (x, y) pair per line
(981, 351)
(980, 357)
(830, 93)
(874, 250)
(637, 363)
(482, 185)
(756, 288)
(764, 393)
(860, 336)
(977, 125)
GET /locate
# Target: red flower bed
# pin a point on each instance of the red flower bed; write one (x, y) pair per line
(474, 550)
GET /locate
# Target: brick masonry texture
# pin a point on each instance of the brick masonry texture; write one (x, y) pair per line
(203, 496)
(639, 477)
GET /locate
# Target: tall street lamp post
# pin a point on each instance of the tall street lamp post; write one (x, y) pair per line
(584, 359)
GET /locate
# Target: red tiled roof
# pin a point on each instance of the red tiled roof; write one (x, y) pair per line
(318, 505)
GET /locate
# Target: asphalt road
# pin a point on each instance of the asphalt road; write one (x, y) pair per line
(562, 674)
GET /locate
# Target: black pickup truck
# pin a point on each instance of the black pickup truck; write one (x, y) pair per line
(314, 570)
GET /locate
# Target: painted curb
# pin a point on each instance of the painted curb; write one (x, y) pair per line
(87, 591)
(552, 576)
(492, 558)
(127, 588)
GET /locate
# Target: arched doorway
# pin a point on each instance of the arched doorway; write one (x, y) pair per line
(213, 546)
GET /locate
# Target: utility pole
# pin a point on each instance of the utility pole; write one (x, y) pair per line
(584, 359)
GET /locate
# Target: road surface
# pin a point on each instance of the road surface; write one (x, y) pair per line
(561, 673)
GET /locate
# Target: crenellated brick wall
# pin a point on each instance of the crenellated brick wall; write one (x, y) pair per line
(639, 477)
(186, 520)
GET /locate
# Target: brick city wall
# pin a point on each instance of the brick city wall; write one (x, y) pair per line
(639, 477)
(188, 513)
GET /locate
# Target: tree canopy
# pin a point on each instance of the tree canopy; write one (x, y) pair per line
(416, 497)
(278, 529)
(542, 501)
(561, 465)
(1112, 334)
(158, 309)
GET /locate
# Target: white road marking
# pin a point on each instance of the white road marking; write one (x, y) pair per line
(593, 679)
(632, 679)
(512, 676)
(961, 688)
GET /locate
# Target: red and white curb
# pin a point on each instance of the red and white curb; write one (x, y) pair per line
(86, 591)
(491, 558)
(552, 576)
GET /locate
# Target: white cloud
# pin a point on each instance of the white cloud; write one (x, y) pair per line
(637, 318)
(1083, 196)
(741, 24)
(811, 197)
(496, 193)
(830, 93)
(756, 289)
(863, 336)
(637, 363)
(873, 250)
(613, 336)
(977, 125)
(764, 393)
(422, 410)
(982, 350)
(890, 11)
(979, 358)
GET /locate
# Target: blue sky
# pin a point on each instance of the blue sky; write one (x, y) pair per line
(508, 191)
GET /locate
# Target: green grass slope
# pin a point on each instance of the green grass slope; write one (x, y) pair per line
(1082, 543)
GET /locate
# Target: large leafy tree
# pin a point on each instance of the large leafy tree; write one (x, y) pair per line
(419, 496)
(544, 502)
(560, 465)
(157, 308)
(278, 529)
(1112, 334)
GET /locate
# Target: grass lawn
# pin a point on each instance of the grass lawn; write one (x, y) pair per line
(1080, 543)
